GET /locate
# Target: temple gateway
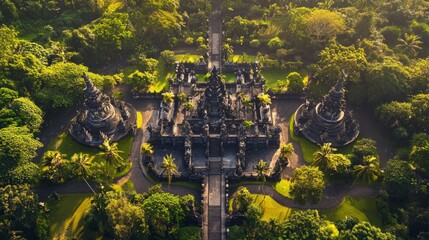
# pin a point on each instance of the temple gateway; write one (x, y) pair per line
(102, 118)
(215, 124)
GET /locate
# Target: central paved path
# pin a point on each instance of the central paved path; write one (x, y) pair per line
(215, 36)
(214, 202)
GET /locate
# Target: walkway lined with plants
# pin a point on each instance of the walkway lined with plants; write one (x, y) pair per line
(215, 36)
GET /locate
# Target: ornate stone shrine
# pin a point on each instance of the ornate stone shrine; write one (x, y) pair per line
(213, 127)
(102, 118)
(328, 120)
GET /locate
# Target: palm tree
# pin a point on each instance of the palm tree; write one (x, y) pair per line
(81, 166)
(369, 170)
(167, 97)
(410, 44)
(286, 151)
(52, 158)
(169, 167)
(111, 153)
(322, 157)
(147, 150)
(261, 170)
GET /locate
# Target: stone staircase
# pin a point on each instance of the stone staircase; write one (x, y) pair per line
(215, 149)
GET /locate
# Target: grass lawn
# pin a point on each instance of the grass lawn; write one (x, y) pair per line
(283, 187)
(272, 209)
(274, 75)
(193, 58)
(364, 209)
(189, 233)
(67, 145)
(67, 215)
(307, 147)
(242, 58)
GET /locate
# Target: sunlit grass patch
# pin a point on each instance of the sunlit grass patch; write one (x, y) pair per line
(67, 215)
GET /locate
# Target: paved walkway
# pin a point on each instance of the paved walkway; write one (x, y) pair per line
(214, 202)
(215, 36)
(332, 197)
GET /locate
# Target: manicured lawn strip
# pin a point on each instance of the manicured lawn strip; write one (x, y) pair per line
(307, 147)
(271, 208)
(283, 187)
(67, 215)
(163, 73)
(67, 145)
(242, 58)
(273, 75)
(192, 58)
(241, 183)
(189, 233)
(364, 209)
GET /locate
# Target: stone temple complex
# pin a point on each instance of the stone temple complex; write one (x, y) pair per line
(101, 118)
(217, 125)
(328, 120)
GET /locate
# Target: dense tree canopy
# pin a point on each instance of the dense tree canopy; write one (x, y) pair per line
(398, 179)
(17, 146)
(307, 185)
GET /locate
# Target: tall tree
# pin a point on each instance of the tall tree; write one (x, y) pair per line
(286, 151)
(308, 185)
(410, 44)
(169, 167)
(369, 170)
(17, 146)
(261, 169)
(165, 214)
(398, 179)
(322, 157)
(111, 153)
(81, 166)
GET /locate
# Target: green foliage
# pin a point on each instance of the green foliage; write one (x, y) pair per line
(242, 200)
(149, 64)
(112, 35)
(7, 96)
(340, 164)
(364, 147)
(56, 169)
(255, 43)
(275, 43)
(20, 210)
(295, 83)
(323, 157)
(63, 85)
(336, 58)
(419, 153)
(27, 173)
(140, 81)
(369, 170)
(17, 146)
(391, 34)
(126, 220)
(22, 112)
(165, 214)
(394, 114)
(324, 25)
(398, 179)
(167, 97)
(307, 185)
(248, 124)
(8, 41)
(387, 81)
(410, 44)
(286, 151)
(364, 230)
(305, 225)
(169, 167)
(264, 99)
